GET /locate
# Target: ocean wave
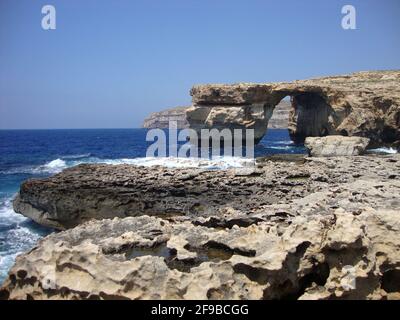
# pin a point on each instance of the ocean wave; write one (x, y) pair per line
(57, 165)
(51, 167)
(173, 162)
(54, 166)
(383, 150)
(281, 147)
(76, 156)
(16, 235)
(17, 240)
(7, 214)
(284, 142)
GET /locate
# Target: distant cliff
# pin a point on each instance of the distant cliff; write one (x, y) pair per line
(279, 119)
(161, 119)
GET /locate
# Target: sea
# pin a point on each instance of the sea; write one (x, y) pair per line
(27, 154)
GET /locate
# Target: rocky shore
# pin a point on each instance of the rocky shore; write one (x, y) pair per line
(291, 227)
(318, 226)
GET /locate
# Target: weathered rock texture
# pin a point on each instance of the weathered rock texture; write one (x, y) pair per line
(332, 233)
(98, 191)
(251, 117)
(233, 118)
(162, 118)
(290, 227)
(332, 146)
(363, 104)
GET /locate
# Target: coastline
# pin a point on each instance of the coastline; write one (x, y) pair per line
(293, 226)
(335, 202)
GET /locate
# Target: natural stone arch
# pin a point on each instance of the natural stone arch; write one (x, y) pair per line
(363, 104)
(310, 115)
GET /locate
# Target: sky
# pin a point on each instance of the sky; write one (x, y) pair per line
(109, 63)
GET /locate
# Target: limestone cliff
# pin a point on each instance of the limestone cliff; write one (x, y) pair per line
(279, 119)
(162, 118)
(280, 116)
(360, 104)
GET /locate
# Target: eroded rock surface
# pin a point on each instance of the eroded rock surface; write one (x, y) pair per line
(332, 146)
(98, 191)
(363, 104)
(333, 244)
(233, 118)
(289, 228)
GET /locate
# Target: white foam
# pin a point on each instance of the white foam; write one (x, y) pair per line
(76, 156)
(55, 164)
(384, 150)
(173, 162)
(51, 167)
(18, 238)
(7, 213)
(222, 163)
(286, 142)
(280, 148)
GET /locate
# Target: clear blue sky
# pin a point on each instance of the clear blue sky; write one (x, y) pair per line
(109, 63)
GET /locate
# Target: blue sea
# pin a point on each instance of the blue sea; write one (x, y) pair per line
(26, 154)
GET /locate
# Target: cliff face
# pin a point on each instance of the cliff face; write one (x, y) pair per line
(280, 116)
(361, 104)
(161, 119)
(279, 119)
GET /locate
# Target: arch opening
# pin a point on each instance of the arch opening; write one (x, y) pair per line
(310, 116)
(306, 114)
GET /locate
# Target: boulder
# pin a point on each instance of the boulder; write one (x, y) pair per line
(333, 146)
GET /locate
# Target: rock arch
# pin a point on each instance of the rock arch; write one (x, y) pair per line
(361, 104)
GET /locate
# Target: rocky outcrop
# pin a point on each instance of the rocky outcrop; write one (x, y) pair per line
(98, 191)
(333, 146)
(363, 104)
(331, 232)
(95, 191)
(163, 118)
(239, 118)
(235, 118)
